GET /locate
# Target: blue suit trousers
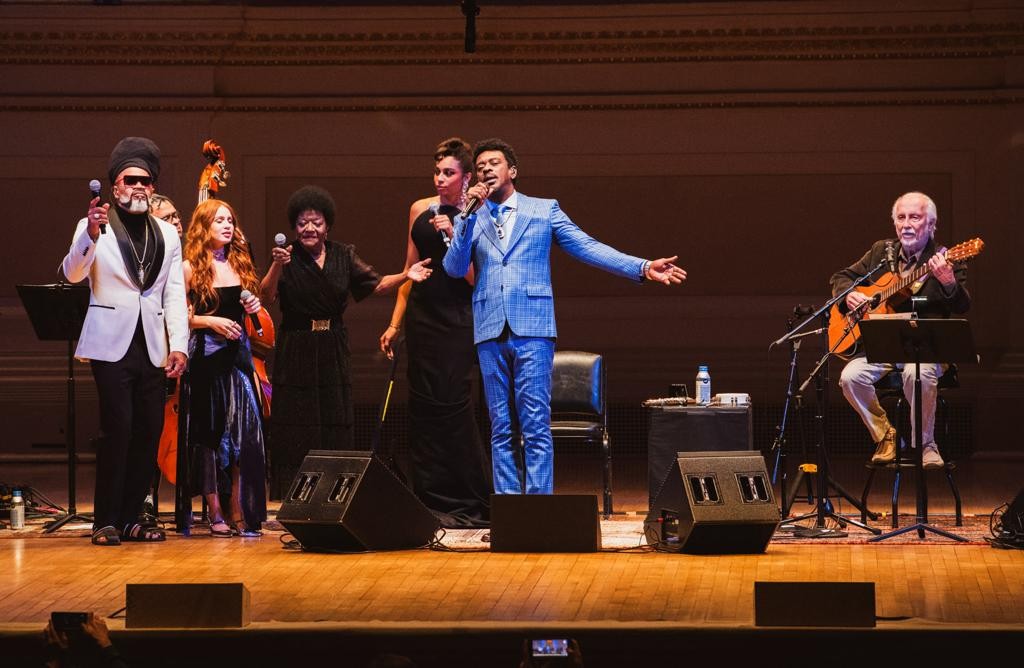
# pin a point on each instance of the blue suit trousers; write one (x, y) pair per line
(516, 373)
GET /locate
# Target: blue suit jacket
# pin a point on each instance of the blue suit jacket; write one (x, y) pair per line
(515, 286)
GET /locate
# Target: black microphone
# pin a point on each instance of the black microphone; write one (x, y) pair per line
(245, 295)
(473, 203)
(444, 237)
(890, 257)
(94, 188)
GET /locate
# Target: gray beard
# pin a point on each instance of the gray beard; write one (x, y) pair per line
(134, 205)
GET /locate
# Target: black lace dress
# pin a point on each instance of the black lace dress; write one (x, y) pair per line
(450, 468)
(312, 389)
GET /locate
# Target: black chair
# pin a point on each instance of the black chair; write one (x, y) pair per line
(578, 408)
(890, 387)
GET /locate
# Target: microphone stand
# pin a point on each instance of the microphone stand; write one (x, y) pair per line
(823, 507)
(779, 444)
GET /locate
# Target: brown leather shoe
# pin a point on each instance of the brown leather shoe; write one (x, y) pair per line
(886, 450)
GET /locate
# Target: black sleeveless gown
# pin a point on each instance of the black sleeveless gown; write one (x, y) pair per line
(450, 468)
(225, 422)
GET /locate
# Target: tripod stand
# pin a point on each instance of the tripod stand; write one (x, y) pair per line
(57, 312)
(923, 341)
(805, 471)
(824, 482)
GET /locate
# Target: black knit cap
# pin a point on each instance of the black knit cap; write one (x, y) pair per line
(134, 152)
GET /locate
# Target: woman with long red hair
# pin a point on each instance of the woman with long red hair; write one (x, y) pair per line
(227, 464)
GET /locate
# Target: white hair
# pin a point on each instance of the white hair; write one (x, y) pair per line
(931, 210)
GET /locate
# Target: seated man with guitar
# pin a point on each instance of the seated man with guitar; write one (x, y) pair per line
(912, 266)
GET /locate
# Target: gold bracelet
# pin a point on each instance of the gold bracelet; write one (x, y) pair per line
(397, 328)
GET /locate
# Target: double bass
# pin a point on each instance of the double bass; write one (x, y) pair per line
(214, 177)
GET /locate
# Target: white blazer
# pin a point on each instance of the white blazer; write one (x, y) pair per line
(115, 300)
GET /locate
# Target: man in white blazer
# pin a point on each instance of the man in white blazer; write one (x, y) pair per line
(508, 240)
(135, 333)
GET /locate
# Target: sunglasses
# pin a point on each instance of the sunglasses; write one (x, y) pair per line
(137, 180)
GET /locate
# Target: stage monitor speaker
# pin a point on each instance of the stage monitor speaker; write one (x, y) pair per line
(186, 605)
(840, 604)
(344, 501)
(714, 503)
(545, 523)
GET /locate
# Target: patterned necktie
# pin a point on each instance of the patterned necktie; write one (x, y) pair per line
(501, 214)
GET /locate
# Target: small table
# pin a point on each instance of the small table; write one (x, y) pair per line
(672, 429)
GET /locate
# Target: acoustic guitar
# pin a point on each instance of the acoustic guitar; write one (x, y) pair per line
(888, 292)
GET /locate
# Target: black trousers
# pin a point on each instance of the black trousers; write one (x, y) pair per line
(131, 393)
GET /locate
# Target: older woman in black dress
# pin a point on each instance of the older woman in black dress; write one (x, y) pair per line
(314, 278)
(450, 471)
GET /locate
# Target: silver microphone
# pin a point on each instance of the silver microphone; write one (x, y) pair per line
(890, 257)
(434, 206)
(280, 239)
(257, 327)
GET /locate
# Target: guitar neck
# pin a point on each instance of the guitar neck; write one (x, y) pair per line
(903, 282)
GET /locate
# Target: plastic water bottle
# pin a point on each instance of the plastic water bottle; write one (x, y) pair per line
(703, 384)
(17, 510)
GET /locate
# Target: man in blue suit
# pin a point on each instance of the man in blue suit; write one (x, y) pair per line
(508, 240)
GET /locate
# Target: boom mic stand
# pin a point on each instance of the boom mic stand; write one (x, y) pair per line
(825, 481)
(779, 444)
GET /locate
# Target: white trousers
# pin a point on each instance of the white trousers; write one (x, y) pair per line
(858, 382)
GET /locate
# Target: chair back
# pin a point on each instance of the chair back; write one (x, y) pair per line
(577, 383)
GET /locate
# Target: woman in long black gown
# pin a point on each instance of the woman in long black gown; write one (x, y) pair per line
(450, 471)
(225, 425)
(312, 388)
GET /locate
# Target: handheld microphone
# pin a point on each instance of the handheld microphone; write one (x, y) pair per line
(890, 257)
(280, 239)
(473, 203)
(253, 318)
(444, 237)
(94, 188)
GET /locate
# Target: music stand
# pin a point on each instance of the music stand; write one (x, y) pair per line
(897, 341)
(57, 312)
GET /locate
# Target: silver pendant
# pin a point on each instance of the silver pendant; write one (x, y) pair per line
(142, 274)
(501, 233)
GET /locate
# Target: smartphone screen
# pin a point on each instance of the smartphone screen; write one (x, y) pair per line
(551, 647)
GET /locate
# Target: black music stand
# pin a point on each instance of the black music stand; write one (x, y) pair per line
(57, 312)
(897, 341)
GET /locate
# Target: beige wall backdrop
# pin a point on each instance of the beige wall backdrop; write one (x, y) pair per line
(762, 142)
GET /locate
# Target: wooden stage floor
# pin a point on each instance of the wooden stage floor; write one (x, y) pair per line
(921, 588)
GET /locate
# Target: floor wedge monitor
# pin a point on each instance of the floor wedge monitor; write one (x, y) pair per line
(344, 501)
(714, 503)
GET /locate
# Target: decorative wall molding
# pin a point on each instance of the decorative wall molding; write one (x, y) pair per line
(725, 101)
(555, 47)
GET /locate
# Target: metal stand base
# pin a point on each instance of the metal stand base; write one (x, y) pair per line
(859, 504)
(920, 527)
(69, 517)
